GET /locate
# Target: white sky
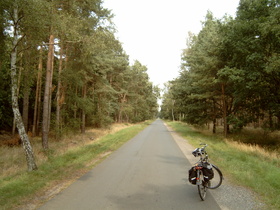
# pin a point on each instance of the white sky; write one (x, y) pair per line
(155, 31)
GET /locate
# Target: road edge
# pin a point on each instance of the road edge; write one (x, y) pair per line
(229, 196)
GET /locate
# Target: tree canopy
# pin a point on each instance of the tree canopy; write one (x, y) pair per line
(90, 80)
(230, 70)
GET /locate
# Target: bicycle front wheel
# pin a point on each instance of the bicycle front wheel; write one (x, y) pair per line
(217, 179)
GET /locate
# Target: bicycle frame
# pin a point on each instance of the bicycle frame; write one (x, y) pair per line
(198, 173)
(201, 183)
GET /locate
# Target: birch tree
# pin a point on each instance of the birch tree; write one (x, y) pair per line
(19, 123)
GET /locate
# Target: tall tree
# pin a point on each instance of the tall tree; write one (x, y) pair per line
(37, 105)
(255, 51)
(231, 69)
(47, 94)
(201, 62)
(20, 126)
(94, 77)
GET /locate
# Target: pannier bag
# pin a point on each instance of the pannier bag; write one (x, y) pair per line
(192, 175)
(207, 171)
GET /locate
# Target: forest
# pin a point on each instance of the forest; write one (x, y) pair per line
(230, 72)
(63, 69)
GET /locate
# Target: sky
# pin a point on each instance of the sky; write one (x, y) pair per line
(154, 32)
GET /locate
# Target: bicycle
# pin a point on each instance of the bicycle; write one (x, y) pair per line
(204, 174)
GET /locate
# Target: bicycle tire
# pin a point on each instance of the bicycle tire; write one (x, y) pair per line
(202, 189)
(218, 178)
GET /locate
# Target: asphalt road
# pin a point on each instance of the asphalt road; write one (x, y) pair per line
(148, 172)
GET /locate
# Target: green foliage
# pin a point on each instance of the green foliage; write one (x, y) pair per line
(230, 70)
(96, 79)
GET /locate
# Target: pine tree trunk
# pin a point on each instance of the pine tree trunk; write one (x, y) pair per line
(75, 104)
(63, 88)
(20, 126)
(83, 128)
(25, 108)
(39, 107)
(58, 95)
(38, 95)
(224, 111)
(173, 102)
(123, 100)
(26, 93)
(214, 125)
(47, 95)
(51, 89)
(214, 117)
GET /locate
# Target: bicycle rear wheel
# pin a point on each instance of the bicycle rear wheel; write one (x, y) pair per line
(201, 185)
(217, 179)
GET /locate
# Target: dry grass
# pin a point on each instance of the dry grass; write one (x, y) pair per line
(243, 161)
(248, 135)
(250, 140)
(12, 159)
(271, 155)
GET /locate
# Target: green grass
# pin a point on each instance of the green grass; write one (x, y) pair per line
(22, 186)
(246, 166)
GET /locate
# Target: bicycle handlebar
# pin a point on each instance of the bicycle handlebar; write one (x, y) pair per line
(200, 151)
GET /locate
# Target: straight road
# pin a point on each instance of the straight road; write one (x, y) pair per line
(149, 172)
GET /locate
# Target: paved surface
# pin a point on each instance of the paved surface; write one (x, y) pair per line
(148, 172)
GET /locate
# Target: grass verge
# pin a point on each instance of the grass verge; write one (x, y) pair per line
(19, 188)
(247, 165)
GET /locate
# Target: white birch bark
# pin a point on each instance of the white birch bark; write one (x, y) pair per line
(20, 126)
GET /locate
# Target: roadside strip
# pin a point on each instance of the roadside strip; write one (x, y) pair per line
(228, 196)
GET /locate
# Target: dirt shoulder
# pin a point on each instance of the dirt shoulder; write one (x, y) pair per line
(229, 196)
